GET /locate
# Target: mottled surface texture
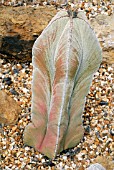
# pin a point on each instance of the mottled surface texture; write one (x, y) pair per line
(65, 56)
(9, 109)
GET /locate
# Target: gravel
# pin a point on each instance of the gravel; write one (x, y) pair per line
(97, 120)
(91, 8)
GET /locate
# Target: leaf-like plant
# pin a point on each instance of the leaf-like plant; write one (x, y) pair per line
(65, 56)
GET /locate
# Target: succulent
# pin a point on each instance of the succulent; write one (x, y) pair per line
(65, 57)
(96, 166)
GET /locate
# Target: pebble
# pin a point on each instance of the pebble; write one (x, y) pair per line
(13, 91)
(65, 158)
(7, 80)
(103, 103)
(105, 132)
(87, 129)
(112, 132)
(14, 128)
(15, 71)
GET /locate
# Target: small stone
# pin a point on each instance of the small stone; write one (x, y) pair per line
(7, 81)
(25, 90)
(94, 122)
(103, 103)
(98, 135)
(79, 156)
(14, 128)
(65, 158)
(27, 148)
(87, 129)
(66, 167)
(48, 163)
(19, 67)
(105, 132)
(94, 146)
(14, 92)
(27, 71)
(112, 132)
(84, 151)
(109, 12)
(15, 71)
(73, 165)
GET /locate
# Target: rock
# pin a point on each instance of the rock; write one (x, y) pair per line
(96, 167)
(14, 92)
(87, 130)
(15, 71)
(104, 28)
(20, 26)
(106, 162)
(103, 103)
(112, 132)
(7, 80)
(9, 109)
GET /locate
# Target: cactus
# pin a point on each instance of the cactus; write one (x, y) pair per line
(65, 57)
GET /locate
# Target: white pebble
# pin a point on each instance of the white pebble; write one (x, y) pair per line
(97, 74)
(23, 164)
(73, 165)
(21, 159)
(79, 157)
(27, 148)
(65, 158)
(97, 153)
(25, 90)
(66, 167)
(43, 160)
(7, 168)
(60, 164)
(110, 69)
(4, 147)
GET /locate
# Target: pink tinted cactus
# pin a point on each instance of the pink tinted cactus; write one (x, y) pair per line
(65, 57)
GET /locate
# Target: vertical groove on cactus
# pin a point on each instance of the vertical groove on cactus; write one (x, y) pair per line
(65, 83)
(65, 57)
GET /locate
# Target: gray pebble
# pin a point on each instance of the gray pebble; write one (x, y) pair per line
(14, 92)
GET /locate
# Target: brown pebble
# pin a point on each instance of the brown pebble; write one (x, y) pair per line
(14, 128)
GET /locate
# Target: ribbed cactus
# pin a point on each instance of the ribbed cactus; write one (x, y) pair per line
(65, 56)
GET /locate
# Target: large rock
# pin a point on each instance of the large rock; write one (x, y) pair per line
(104, 28)
(20, 26)
(9, 109)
